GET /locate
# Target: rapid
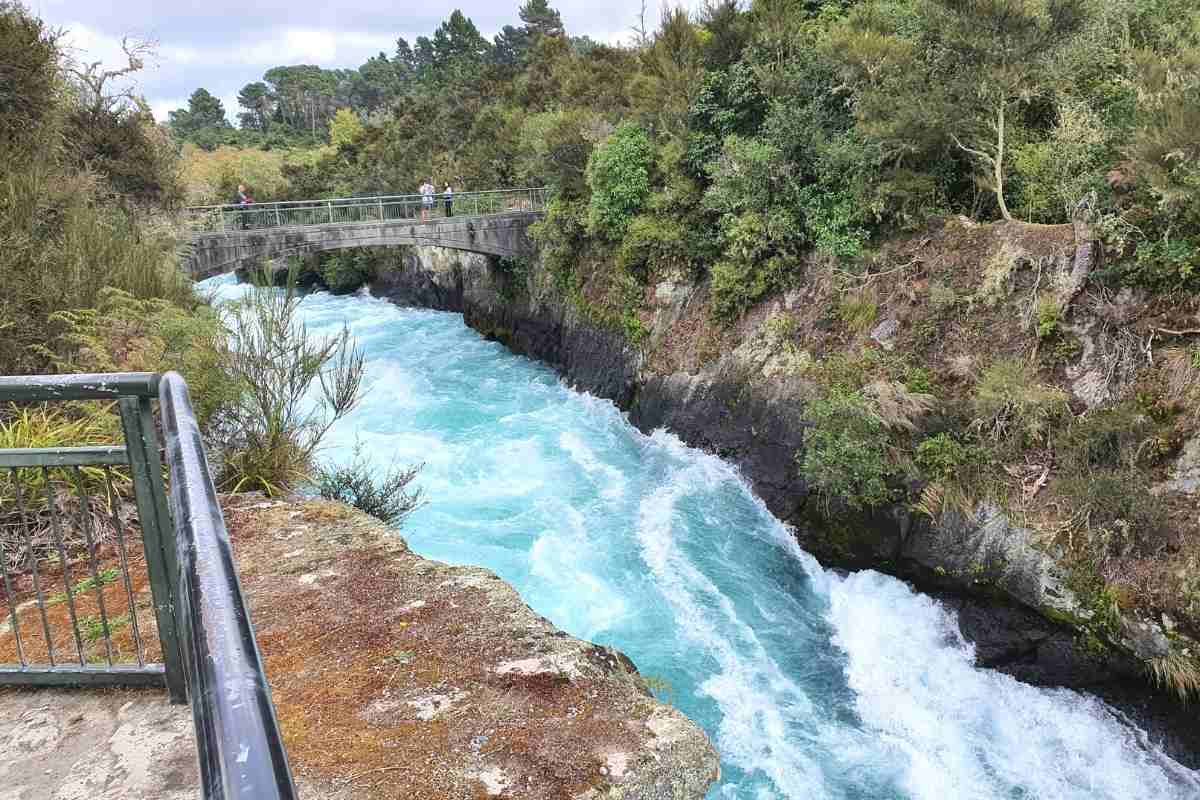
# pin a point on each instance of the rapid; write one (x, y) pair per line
(811, 684)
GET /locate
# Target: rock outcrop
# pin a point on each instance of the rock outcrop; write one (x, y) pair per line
(397, 676)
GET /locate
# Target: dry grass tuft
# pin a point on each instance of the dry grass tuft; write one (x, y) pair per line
(897, 407)
(1178, 673)
(1181, 373)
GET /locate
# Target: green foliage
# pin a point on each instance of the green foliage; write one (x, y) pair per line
(344, 128)
(1113, 437)
(1048, 312)
(1116, 512)
(845, 453)
(124, 334)
(275, 426)
(384, 495)
(940, 457)
(104, 576)
(618, 174)
(41, 426)
(857, 310)
(202, 122)
(1011, 404)
(30, 107)
(560, 235)
(653, 244)
(942, 298)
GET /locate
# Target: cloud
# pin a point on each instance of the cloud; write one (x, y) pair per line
(224, 44)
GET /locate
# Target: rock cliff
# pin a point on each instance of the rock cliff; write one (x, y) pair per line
(741, 401)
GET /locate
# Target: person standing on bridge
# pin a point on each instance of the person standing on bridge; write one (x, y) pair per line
(448, 200)
(243, 201)
(427, 191)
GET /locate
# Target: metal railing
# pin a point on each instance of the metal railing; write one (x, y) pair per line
(360, 210)
(198, 641)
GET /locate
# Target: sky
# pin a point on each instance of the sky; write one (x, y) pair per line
(224, 44)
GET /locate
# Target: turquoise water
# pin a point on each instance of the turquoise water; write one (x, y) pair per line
(811, 685)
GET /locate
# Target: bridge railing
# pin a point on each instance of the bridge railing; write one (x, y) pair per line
(93, 598)
(360, 210)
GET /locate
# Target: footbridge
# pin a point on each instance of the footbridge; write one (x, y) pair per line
(492, 222)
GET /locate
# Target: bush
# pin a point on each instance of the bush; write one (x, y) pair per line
(30, 85)
(386, 499)
(1047, 316)
(752, 266)
(942, 298)
(941, 457)
(124, 334)
(618, 173)
(275, 426)
(845, 453)
(1108, 438)
(1117, 512)
(652, 244)
(1012, 404)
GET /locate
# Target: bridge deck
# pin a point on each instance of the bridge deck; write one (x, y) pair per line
(492, 223)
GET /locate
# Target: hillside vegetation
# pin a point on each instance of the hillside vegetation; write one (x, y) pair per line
(972, 229)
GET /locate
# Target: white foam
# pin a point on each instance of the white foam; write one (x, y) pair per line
(959, 731)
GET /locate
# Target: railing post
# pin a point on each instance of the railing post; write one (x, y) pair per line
(380, 200)
(162, 562)
(278, 220)
(330, 206)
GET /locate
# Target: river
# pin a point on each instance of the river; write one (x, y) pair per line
(811, 684)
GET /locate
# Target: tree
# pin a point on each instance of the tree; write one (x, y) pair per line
(541, 20)
(344, 128)
(964, 70)
(618, 174)
(204, 113)
(94, 82)
(672, 68)
(258, 101)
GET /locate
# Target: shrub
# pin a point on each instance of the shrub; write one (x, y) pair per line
(385, 498)
(618, 173)
(752, 266)
(29, 91)
(1047, 315)
(275, 424)
(940, 457)
(345, 272)
(1116, 512)
(1108, 438)
(124, 334)
(845, 453)
(1009, 401)
(560, 236)
(652, 243)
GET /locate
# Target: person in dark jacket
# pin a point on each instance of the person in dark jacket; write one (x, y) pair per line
(448, 200)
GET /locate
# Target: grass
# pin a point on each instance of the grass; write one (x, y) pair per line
(858, 310)
(1177, 673)
(106, 576)
(92, 627)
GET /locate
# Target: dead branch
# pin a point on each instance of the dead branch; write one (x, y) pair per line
(94, 80)
(1184, 332)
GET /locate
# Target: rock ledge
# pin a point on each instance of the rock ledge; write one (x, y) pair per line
(396, 676)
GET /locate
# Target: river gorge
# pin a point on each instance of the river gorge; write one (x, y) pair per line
(811, 683)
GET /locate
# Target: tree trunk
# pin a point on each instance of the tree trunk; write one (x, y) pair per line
(998, 164)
